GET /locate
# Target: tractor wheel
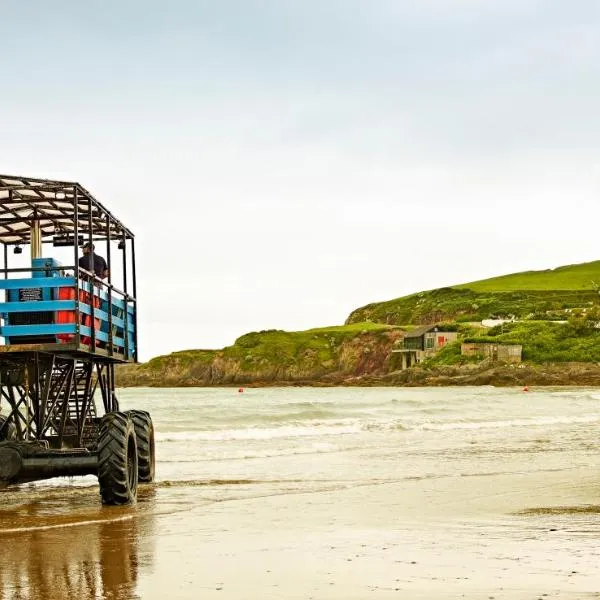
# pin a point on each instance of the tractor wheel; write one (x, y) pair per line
(8, 431)
(117, 459)
(144, 434)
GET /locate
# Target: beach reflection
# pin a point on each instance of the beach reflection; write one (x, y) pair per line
(89, 554)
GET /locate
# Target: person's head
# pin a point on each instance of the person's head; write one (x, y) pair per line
(88, 247)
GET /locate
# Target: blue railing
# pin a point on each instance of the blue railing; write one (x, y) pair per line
(69, 306)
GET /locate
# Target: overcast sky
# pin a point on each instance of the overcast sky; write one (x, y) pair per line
(284, 162)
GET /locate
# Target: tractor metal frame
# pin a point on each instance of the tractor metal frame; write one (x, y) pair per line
(49, 385)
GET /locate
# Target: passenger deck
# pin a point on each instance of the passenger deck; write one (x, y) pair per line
(46, 306)
(54, 313)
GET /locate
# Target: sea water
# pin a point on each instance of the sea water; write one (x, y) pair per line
(329, 493)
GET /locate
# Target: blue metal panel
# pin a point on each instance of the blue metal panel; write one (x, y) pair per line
(103, 316)
(103, 337)
(42, 282)
(100, 292)
(53, 329)
(49, 329)
(98, 312)
(117, 301)
(52, 268)
(35, 306)
(48, 281)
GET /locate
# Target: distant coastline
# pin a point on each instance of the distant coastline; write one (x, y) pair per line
(552, 317)
(556, 374)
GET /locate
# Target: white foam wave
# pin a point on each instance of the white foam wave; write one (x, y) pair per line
(256, 433)
(356, 426)
(533, 422)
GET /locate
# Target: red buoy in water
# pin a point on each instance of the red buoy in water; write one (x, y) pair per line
(526, 389)
(240, 390)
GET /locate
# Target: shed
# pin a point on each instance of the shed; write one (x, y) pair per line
(429, 338)
(510, 353)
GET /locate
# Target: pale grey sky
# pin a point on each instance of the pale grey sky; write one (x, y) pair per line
(282, 163)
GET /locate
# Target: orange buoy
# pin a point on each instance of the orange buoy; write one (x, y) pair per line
(526, 389)
(240, 390)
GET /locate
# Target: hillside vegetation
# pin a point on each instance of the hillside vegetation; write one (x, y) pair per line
(577, 340)
(555, 318)
(328, 354)
(533, 294)
(585, 276)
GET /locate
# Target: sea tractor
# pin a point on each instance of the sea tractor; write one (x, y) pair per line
(63, 328)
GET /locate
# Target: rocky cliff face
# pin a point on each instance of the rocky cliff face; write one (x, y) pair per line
(489, 373)
(360, 370)
(335, 357)
(359, 352)
(275, 358)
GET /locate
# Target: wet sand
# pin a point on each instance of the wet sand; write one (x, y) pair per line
(500, 536)
(329, 494)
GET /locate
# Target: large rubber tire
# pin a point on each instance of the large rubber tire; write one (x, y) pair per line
(144, 433)
(117, 459)
(8, 431)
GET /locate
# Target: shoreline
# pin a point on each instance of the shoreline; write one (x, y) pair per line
(497, 375)
(329, 494)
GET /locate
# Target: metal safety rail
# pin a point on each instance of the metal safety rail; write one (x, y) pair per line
(91, 301)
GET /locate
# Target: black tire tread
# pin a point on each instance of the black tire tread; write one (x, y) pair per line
(8, 431)
(144, 433)
(115, 431)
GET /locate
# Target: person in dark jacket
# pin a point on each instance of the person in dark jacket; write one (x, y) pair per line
(85, 262)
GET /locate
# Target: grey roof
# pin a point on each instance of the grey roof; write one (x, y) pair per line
(419, 331)
(54, 204)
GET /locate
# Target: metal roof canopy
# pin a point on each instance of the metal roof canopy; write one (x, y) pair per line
(419, 331)
(59, 206)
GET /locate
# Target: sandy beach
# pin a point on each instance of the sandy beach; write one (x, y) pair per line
(372, 514)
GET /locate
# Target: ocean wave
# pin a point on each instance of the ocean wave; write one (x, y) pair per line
(532, 422)
(333, 427)
(252, 453)
(259, 433)
(252, 418)
(385, 426)
(309, 404)
(306, 414)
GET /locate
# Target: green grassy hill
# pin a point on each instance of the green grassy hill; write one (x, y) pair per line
(274, 356)
(557, 313)
(585, 276)
(546, 294)
(543, 342)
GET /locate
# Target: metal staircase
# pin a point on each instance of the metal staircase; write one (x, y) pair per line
(74, 394)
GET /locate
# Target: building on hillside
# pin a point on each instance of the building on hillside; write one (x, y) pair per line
(422, 342)
(509, 353)
(428, 338)
(496, 322)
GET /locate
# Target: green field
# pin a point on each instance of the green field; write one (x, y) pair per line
(556, 316)
(313, 348)
(273, 355)
(533, 294)
(585, 276)
(578, 340)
